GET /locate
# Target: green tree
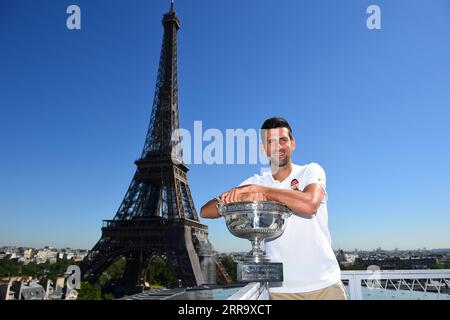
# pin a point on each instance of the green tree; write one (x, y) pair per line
(439, 266)
(158, 273)
(230, 267)
(8, 268)
(50, 270)
(33, 269)
(113, 272)
(89, 291)
(108, 296)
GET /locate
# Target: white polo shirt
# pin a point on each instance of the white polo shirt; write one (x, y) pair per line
(304, 248)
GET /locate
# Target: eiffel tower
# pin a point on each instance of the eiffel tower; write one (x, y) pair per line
(157, 216)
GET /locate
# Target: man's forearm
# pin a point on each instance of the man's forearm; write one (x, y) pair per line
(297, 201)
(306, 202)
(209, 210)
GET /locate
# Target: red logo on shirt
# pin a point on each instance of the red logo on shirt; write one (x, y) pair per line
(295, 184)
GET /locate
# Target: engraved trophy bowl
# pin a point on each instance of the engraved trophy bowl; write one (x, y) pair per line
(256, 221)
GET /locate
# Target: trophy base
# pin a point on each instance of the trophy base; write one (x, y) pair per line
(256, 259)
(261, 271)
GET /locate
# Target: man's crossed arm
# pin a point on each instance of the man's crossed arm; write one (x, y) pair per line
(306, 201)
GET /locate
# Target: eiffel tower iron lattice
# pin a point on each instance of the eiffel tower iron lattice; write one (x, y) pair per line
(157, 216)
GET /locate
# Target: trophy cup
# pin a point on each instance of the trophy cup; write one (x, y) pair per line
(257, 221)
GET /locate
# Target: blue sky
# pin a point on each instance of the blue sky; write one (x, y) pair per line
(372, 107)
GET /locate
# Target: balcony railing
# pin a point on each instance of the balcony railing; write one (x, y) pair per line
(435, 282)
(432, 281)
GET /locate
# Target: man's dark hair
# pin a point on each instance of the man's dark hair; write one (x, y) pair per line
(277, 122)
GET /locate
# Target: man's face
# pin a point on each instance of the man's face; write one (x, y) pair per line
(278, 146)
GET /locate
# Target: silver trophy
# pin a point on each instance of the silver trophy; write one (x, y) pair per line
(257, 221)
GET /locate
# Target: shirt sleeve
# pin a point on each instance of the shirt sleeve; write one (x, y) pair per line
(315, 174)
(248, 181)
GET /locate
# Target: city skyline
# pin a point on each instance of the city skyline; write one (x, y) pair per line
(368, 105)
(49, 247)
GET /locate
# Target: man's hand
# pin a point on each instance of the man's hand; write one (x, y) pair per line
(249, 192)
(239, 194)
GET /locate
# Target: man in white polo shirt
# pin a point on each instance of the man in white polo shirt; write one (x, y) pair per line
(310, 268)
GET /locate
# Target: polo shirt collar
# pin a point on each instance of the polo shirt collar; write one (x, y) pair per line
(272, 179)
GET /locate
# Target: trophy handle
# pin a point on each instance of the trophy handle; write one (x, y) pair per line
(220, 206)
